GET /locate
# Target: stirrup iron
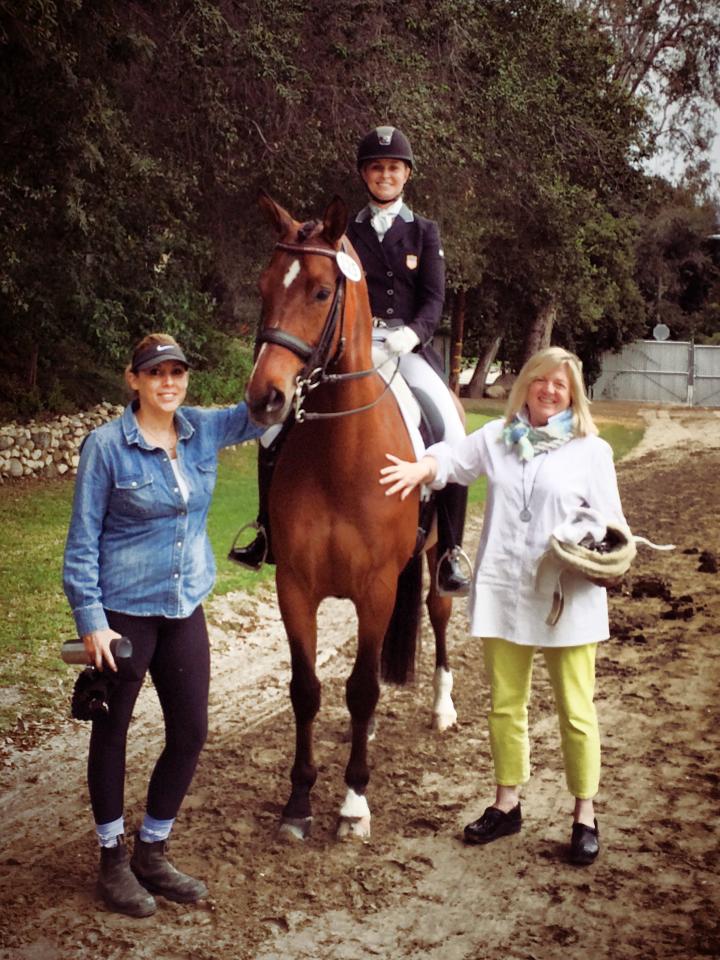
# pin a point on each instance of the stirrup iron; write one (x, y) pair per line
(456, 554)
(259, 528)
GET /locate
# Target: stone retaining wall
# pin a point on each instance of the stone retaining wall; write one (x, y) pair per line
(48, 448)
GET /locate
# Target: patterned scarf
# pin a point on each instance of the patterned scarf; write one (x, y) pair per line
(528, 440)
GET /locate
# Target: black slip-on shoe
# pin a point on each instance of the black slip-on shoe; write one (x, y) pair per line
(493, 824)
(584, 844)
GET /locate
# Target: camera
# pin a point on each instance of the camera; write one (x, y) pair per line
(93, 687)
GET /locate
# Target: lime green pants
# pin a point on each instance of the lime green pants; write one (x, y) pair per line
(572, 674)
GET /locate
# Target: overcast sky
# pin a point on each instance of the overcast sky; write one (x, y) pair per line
(670, 165)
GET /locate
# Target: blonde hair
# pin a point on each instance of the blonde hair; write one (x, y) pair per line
(542, 363)
(164, 339)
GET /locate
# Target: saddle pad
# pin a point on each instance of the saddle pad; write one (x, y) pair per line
(406, 401)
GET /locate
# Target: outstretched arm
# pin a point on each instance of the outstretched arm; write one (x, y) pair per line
(405, 475)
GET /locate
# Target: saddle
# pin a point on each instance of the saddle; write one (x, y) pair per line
(432, 430)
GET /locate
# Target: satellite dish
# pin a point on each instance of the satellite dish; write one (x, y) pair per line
(661, 331)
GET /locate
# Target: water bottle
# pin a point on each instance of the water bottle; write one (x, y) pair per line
(121, 648)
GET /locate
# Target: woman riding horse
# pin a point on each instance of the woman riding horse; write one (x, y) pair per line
(314, 370)
(405, 272)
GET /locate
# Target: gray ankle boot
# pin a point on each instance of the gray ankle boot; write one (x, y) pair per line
(158, 875)
(118, 885)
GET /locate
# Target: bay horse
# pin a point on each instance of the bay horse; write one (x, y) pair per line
(334, 531)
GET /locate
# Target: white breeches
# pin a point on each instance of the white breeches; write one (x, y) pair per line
(419, 373)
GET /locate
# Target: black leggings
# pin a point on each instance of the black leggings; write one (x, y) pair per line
(177, 654)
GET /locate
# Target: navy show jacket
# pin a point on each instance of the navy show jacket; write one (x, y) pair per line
(405, 274)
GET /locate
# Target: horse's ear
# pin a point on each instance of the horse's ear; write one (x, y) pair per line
(335, 220)
(278, 215)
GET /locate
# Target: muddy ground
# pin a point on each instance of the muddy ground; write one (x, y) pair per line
(414, 891)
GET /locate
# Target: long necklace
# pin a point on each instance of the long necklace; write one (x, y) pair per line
(525, 514)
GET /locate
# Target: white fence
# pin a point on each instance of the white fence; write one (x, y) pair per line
(667, 371)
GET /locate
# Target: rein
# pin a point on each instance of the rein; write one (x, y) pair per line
(317, 357)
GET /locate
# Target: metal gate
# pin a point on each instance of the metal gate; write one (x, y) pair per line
(651, 371)
(707, 377)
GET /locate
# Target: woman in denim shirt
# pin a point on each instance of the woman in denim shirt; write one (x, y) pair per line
(138, 563)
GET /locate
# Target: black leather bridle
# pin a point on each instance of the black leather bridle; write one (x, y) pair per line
(317, 356)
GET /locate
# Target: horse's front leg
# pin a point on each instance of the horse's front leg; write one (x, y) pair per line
(444, 714)
(299, 616)
(362, 692)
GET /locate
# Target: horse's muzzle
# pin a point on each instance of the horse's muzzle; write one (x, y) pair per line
(273, 407)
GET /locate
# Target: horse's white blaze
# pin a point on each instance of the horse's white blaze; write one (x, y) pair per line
(355, 805)
(293, 271)
(444, 713)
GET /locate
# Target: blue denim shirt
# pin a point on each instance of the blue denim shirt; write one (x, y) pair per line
(134, 544)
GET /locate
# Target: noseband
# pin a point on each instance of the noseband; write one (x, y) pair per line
(317, 358)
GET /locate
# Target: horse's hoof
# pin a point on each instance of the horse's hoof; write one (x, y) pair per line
(354, 828)
(293, 829)
(444, 721)
(354, 821)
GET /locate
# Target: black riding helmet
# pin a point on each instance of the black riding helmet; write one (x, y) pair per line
(385, 142)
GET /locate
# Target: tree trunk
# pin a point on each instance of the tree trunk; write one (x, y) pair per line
(32, 366)
(476, 387)
(539, 333)
(457, 334)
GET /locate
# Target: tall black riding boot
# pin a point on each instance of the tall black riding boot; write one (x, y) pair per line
(118, 885)
(454, 568)
(255, 554)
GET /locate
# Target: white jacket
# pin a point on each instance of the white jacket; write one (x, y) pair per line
(505, 600)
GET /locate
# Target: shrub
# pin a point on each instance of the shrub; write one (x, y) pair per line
(226, 369)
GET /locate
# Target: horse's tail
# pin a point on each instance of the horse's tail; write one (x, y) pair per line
(397, 664)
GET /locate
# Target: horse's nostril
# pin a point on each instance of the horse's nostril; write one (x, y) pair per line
(275, 401)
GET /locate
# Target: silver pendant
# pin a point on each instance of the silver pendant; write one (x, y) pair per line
(525, 515)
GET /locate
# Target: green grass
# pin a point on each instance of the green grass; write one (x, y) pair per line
(34, 615)
(234, 504)
(34, 618)
(478, 490)
(621, 438)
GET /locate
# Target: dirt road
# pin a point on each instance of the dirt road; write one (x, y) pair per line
(414, 891)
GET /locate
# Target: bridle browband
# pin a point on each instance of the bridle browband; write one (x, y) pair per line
(317, 357)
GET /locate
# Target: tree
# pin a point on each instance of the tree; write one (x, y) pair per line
(539, 185)
(138, 136)
(96, 231)
(667, 52)
(678, 270)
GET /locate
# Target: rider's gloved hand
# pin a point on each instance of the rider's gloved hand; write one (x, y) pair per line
(400, 340)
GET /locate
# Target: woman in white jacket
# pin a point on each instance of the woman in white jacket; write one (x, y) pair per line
(545, 466)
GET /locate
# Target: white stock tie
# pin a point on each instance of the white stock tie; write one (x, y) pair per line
(381, 223)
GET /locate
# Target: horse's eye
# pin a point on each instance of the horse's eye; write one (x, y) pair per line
(322, 294)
